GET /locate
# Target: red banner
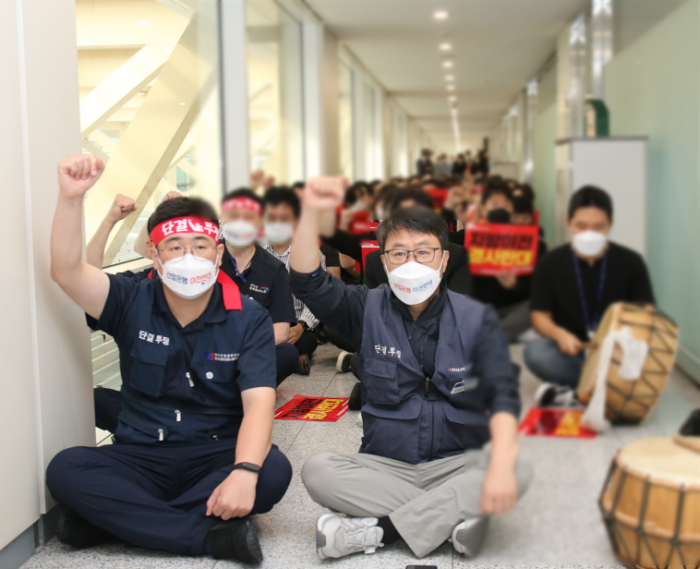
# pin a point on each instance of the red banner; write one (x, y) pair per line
(302, 408)
(493, 248)
(555, 423)
(367, 248)
(439, 197)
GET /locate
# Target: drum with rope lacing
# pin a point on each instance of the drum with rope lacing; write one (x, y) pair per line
(651, 503)
(630, 401)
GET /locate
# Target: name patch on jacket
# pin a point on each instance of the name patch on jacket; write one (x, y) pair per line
(466, 385)
(212, 357)
(261, 289)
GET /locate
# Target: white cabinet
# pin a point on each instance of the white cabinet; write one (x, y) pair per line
(618, 166)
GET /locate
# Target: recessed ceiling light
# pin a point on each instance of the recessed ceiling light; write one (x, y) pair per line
(450, 87)
(453, 98)
(445, 46)
(142, 92)
(182, 103)
(441, 15)
(448, 64)
(449, 77)
(144, 23)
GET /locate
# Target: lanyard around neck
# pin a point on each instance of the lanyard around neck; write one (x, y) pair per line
(239, 274)
(590, 326)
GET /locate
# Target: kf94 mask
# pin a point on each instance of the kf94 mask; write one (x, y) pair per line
(240, 233)
(278, 233)
(413, 283)
(589, 243)
(189, 277)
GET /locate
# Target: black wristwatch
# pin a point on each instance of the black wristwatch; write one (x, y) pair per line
(246, 466)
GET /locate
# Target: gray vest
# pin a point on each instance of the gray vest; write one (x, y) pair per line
(409, 417)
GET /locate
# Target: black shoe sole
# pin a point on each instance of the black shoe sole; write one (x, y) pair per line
(75, 531)
(236, 540)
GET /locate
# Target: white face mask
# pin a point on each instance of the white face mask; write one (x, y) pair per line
(189, 277)
(240, 233)
(279, 233)
(413, 283)
(359, 205)
(589, 243)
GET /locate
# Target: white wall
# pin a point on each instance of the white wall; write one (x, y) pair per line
(46, 383)
(19, 467)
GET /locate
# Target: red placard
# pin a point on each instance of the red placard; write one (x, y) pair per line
(439, 197)
(495, 247)
(302, 408)
(555, 423)
(362, 227)
(367, 248)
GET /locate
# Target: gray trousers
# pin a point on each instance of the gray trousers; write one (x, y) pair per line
(424, 501)
(515, 320)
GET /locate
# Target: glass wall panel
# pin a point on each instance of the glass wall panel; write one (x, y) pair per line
(399, 143)
(373, 151)
(275, 91)
(346, 123)
(149, 106)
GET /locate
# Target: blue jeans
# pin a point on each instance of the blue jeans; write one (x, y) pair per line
(545, 360)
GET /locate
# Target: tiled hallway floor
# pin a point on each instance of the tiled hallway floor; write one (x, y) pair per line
(556, 524)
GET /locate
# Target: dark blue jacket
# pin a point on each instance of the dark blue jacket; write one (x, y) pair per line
(409, 417)
(183, 385)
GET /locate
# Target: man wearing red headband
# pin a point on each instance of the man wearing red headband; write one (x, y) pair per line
(258, 274)
(192, 456)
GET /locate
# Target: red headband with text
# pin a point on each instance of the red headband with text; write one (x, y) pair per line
(184, 225)
(242, 203)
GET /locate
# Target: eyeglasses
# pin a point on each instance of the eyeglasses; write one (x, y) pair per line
(423, 255)
(201, 250)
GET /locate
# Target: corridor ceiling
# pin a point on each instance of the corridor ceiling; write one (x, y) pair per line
(497, 47)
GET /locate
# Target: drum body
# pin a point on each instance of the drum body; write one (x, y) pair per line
(631, 401)
(651, 504)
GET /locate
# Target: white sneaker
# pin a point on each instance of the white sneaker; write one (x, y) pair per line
(339, 362)
(337, 536)
(468, 537)
(550, 395)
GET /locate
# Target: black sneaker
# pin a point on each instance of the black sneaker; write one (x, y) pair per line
(235, 539)
(342, 364)
(355, 401)
(77, 532)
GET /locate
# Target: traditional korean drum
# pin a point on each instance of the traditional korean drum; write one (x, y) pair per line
(629, 401)
(651, 504)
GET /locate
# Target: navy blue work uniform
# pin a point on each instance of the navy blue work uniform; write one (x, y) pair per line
(182, 409)
(432, 383)
(267, 282)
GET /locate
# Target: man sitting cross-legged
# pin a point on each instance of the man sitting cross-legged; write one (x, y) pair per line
(439, 384)
(192, 456)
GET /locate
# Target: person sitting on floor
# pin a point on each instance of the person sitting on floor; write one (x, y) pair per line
(192, 457)
(258, 274)
(281, 215)
(439, 382)
(108, 402)
(572, 288)
(506, 292)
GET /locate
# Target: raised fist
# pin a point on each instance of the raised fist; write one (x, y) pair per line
(121, 208)
(268, 182)
(256, 179)
(170, 195)
(324, 193)
(78, 173)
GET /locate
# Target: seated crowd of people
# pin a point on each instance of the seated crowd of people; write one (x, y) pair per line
(239, 299)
